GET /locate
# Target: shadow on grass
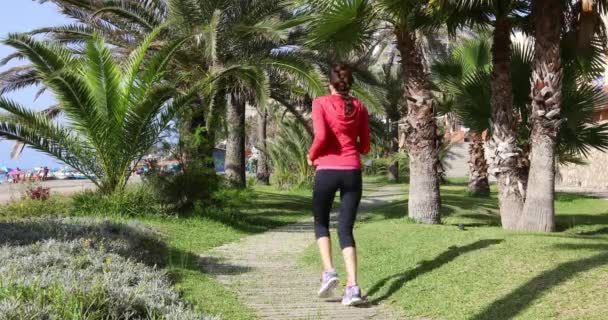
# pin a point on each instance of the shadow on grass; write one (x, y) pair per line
(179, 260)
(568, 221)
(571, 197)
(270, 211)
(461, 200)
(397, 281)
(519, 299)
(455, 181)
(482, 210)
(600, 231)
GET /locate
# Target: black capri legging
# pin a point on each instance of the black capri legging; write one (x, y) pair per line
(327, 182)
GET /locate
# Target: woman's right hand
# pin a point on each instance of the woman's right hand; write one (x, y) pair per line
(310, 163)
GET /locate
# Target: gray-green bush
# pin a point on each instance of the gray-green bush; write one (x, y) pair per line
(82, 269)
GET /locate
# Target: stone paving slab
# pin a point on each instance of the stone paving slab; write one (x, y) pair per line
(263, 270)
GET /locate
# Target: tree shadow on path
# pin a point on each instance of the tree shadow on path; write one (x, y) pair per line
(399, 280)
(519, 299)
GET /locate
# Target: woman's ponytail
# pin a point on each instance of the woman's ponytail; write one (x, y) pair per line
(341, 78)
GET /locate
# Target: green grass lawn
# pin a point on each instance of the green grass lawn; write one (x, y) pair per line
(188, 237)
(485, 272)
(435, 271)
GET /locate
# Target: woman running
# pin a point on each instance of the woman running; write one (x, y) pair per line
(341, 128)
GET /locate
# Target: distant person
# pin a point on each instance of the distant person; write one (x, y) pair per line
(45, 173)
(341, 134)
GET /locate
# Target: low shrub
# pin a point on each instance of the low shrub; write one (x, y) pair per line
(226, 205)
(233, 198)
(136, 200)
(38, 193)
(75, 280)
(379, 166)
(196, 183)
(55, 206)
(131, 240)
(83, 268)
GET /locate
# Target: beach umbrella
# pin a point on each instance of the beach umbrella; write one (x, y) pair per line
(15, 172)
(3, 169)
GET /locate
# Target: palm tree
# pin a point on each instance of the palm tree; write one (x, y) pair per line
(115, 111)
(538, 211)
(457, 78)
(505, 154)
(549, 21)
(469, 97)
(240, 35)
(347, 26)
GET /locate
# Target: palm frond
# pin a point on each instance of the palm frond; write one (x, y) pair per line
(103, 76)
(132, 11)
(269, 28)
(521, 72)
(35, 129)
(302, 72)
(133, 64)
(343, 26)
(579, 134)
(588, 63)
(18, 78)
(46, 57)
(11, 57)
(208, 36)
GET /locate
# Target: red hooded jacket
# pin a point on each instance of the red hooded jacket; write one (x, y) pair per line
(339, 138)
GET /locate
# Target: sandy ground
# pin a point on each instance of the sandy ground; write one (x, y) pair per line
(14, 191)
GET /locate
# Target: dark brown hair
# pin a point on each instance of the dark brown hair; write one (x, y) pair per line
(341, 78)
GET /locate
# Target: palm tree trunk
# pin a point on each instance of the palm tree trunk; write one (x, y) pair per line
(419, 130)
(263, 173)
(393, 168)
(193, 140)
(393, 119)
(478, 167)
(235, 144)
(294, 111)
(393, 171)
(539, 211)
(218, 107)
(504, 153)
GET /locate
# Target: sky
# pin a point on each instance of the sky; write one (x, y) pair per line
(21, 16)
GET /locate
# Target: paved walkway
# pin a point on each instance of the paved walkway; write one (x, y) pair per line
(263, 269)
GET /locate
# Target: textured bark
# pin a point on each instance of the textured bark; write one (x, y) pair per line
(418, 133)
(392, 117)
(217, 108)
(235, 144)
(195, 142)
(478, 167)
(539, 212)
(263, 172)
(504, 154)
(393, 172)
